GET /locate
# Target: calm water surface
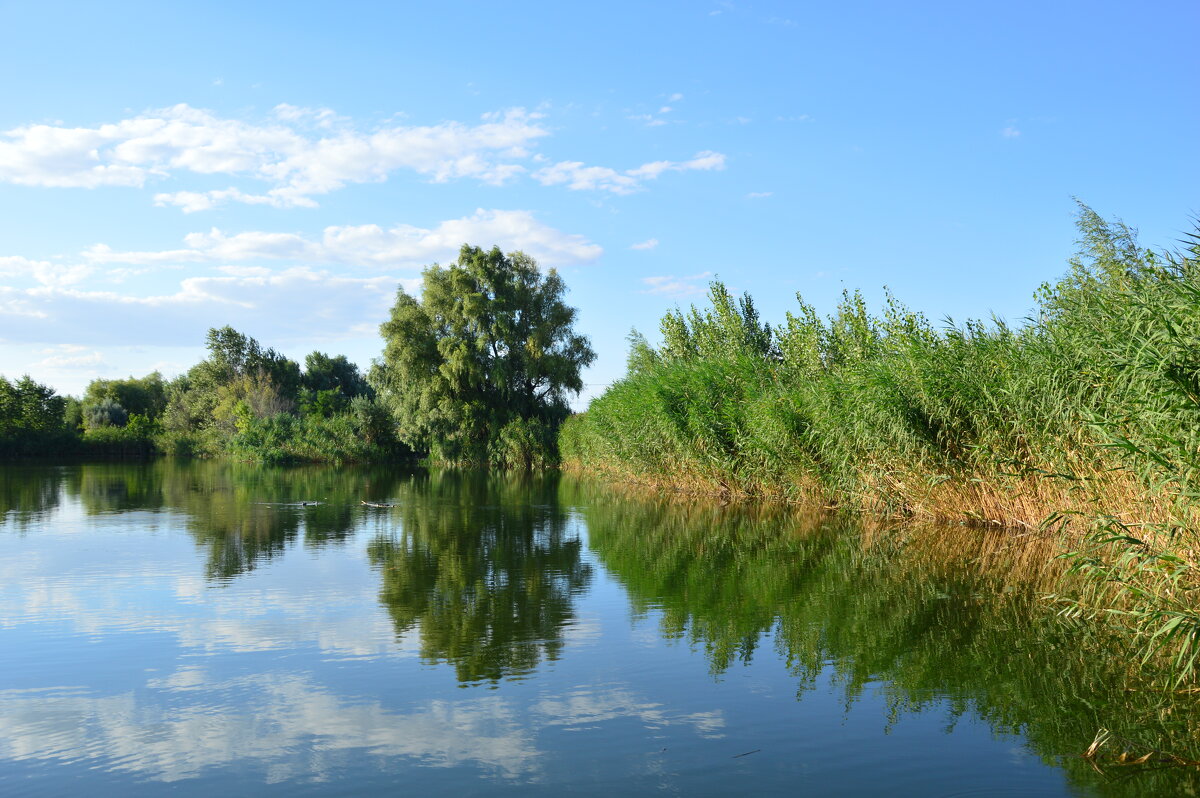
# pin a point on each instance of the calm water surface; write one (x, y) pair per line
(196, 629)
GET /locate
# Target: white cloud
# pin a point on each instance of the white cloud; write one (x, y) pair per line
(71, 356)
(192, 201)
(655, 119)
(649, 243)
(704, 161)
(121, 274)
(670, 285)
(759, 194)
(286, 305)
(17, 266)
(43, 271)
(296, 163)
(297, 154)
(650, 120)
(399, 246)
(321, 117)
(286, 287)
(579, 177)
(1010, 132)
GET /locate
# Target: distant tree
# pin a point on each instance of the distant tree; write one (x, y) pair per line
(489, 344)
(238, 369)
(233, 354)
(325, 373)
(32, 417)
(73, 413)
(105, 413)
(146, 396)
(28, 405)
(329, 384)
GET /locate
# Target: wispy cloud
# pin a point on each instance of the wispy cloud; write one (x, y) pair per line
(578, 177)
(290, 304)
(759, 194)
(679, 287)
(399, 246)
(658, 118)
(1010, 132)
(71, 357)
(649, 243)
(44, 272)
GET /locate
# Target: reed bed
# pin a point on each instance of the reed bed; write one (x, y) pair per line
(1084, 420)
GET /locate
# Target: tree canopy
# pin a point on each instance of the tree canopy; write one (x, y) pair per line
(480, 367)
(110, 402)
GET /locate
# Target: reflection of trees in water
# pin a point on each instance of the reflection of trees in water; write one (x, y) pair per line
(247, 514)
(28, 491)
(928, 617)
(243, 514)
(117, 487)
(487, 567)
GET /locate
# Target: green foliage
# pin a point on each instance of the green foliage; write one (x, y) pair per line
(201, 404)
(1093, 406)
(342, 438)
(146, 396)
(136, 440)
(32, 419)
(333, 374)
(869, 406)
(254, 404)
(524, 443)
(490, 342)
(35, 422)
(104, 413)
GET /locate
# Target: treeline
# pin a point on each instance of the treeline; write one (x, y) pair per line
(243, 400)
(476, 371)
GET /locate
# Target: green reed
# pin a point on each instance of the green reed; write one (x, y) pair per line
(1084, 419)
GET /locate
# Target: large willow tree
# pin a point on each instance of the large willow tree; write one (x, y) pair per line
(479, 368)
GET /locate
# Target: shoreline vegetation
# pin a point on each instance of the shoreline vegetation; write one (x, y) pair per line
(244, 402)
(1082, 424)
(1087, 408)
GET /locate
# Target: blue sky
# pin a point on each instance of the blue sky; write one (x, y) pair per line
(282, 167)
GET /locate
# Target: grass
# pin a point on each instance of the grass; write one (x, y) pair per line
(1084, 421)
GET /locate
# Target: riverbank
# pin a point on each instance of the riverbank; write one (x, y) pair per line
(1085, 421)
(1087, 409)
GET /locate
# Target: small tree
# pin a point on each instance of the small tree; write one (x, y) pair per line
(489, 343)
(146, 396)
(238, 368)
(104, 413)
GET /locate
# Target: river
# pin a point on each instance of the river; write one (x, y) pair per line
(216, 628)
